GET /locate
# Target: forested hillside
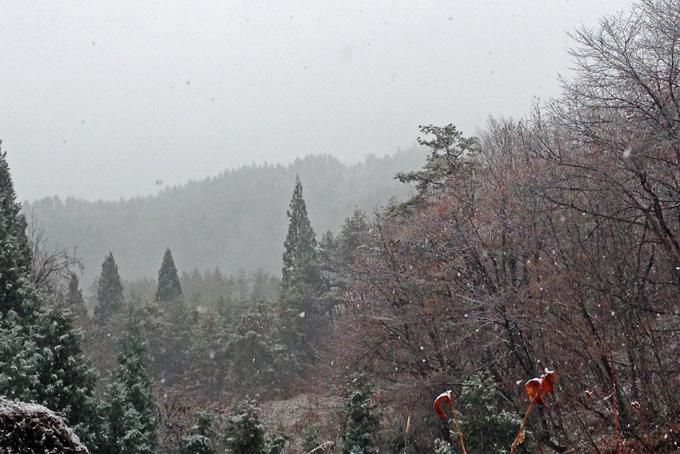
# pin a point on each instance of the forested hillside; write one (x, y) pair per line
(235, 221)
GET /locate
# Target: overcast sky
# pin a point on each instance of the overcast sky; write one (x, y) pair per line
(105, 99)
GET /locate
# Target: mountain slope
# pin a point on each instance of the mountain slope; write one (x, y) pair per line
(234, 221)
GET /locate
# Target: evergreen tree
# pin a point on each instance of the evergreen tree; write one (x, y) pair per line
(253, 355)
(67, 381)
(354, 234)
(169, 287)
(244, 433)
(448, 150)
(19, 354)
(362, 419)
(19, 359)
(130, 413)
(337, 256)
(487, 426)
(301, 314)
(200, 439)
(109, 290)
(40, 350)
(299, 256)
(15, 253)
(74, 298)
(276, 443)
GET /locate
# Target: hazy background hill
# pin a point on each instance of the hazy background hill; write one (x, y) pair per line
(235, 221)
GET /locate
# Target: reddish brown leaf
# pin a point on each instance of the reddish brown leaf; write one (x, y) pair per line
(548, 382)
(441, 399)
(533, 390)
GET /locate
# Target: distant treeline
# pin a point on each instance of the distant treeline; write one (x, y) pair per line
(235, 221)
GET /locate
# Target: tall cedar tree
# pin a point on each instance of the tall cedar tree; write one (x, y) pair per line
(299, 255)
(171, 327)
(300, 282)
(169, 287)
(15, 252)
(40, 351)
(131, 412)
(18, 351)
(109, 290)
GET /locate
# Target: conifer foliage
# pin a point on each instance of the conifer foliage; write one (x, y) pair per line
(300, 280)
(299, 256)
(40, 350)
(131, 414)
(169, 287)
(487, 426)
(15, 253)
(362, 418)
(201, 438)
(66, 381)
(244, 433)
(74, 298)
(109, 290)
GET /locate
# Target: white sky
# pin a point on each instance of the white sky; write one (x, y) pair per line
(100, 99)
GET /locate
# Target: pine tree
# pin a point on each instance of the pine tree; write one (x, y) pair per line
(200, 439)
(244, 433)
(362, 419)
(109, 290)
(130, 413)
(169, 287)
(448, 151)
(15, 253)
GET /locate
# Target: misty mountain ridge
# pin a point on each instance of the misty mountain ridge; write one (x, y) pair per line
(234, 221)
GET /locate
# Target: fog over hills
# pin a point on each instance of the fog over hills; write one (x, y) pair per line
(235, 221)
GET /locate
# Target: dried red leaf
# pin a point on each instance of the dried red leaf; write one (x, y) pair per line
(548, 382)
(533, 390)
(536, 388)
(443, 398)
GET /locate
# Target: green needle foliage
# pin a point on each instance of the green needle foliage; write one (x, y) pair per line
(109, 290)
(169, 287)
